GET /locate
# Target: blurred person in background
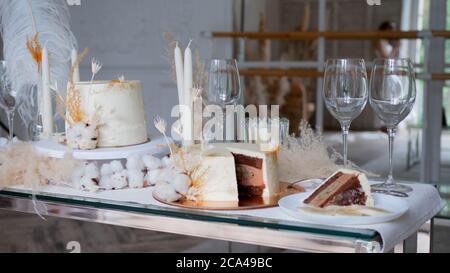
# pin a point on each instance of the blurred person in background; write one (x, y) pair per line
(385, 48)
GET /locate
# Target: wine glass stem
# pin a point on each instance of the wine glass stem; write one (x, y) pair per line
(10, 116)
(345, 127)
(391, 134)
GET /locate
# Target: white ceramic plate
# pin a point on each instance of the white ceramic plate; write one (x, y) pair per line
(396, 206)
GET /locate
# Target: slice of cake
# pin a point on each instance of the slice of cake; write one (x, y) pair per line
(343, 188)
(117, 106)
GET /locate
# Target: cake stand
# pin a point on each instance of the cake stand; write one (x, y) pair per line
(54, 149)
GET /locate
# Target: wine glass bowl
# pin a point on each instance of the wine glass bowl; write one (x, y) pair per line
(223, 85)
(8, 100)
(392, 97)
(393, 90)
(345, 92)
(223, 89)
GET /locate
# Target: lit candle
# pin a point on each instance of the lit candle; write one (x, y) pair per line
(187, 77)
(76, 71)
(47, 111)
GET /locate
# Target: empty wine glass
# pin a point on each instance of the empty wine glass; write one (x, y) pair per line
(392, 96)
(345, 92)
(223, 89)
(8, 100)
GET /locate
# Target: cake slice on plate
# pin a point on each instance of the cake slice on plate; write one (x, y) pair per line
(343, 188)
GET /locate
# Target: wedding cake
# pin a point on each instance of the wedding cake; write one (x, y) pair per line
(226, 172)
(114, 108)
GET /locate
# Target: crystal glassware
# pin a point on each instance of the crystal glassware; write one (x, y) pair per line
(392, 96)
(8, 98)
(256, 127)
(223, 89)
(345, 92)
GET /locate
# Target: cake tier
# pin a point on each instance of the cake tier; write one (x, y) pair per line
(230, 171)
(120, 109)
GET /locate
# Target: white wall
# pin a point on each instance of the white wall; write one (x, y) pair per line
(127, 36)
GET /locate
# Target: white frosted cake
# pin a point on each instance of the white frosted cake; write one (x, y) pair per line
(118, 108)
(230, 170)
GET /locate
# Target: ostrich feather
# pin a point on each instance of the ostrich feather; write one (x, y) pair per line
(26, 26)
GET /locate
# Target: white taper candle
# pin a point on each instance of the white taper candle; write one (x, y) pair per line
(47, 110)
(76, 71)
(179, 73)
(187, 124)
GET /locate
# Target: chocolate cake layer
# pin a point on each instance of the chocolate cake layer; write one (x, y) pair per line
(250, 190)
(249, 175)
(341, 190)
(247, 160)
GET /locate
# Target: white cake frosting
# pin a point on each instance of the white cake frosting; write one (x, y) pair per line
(217, 177)
(119, 107)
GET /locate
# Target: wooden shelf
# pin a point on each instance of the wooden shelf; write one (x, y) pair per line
(308, 73)
(341, 35)
(280, 72)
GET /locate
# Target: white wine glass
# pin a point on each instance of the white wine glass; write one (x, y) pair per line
(8, 98)
(345, 92)
(223, 89)
(392, 96)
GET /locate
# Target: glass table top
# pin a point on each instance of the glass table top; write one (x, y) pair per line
(200, 215)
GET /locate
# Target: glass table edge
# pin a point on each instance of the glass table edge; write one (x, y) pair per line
(218, 217)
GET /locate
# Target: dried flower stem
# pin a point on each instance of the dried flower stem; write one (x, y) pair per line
(160, 124)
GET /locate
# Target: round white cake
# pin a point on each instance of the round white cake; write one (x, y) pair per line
(119, 108)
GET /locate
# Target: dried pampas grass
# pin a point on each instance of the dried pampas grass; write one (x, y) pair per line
(170, 49)
(20, 164)
(309, 157)
(305, 157)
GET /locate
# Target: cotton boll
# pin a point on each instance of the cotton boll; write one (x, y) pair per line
(88, 183)
(167, 162)
(135, 179)
(167, 174)
(105, 182)
(134, 162)
(151, 162)
(119, 180)
(116, 166)
(78, 174)
(153, 176)
(166, 192)
(91, 170)
(181, 183)
(106, 170)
